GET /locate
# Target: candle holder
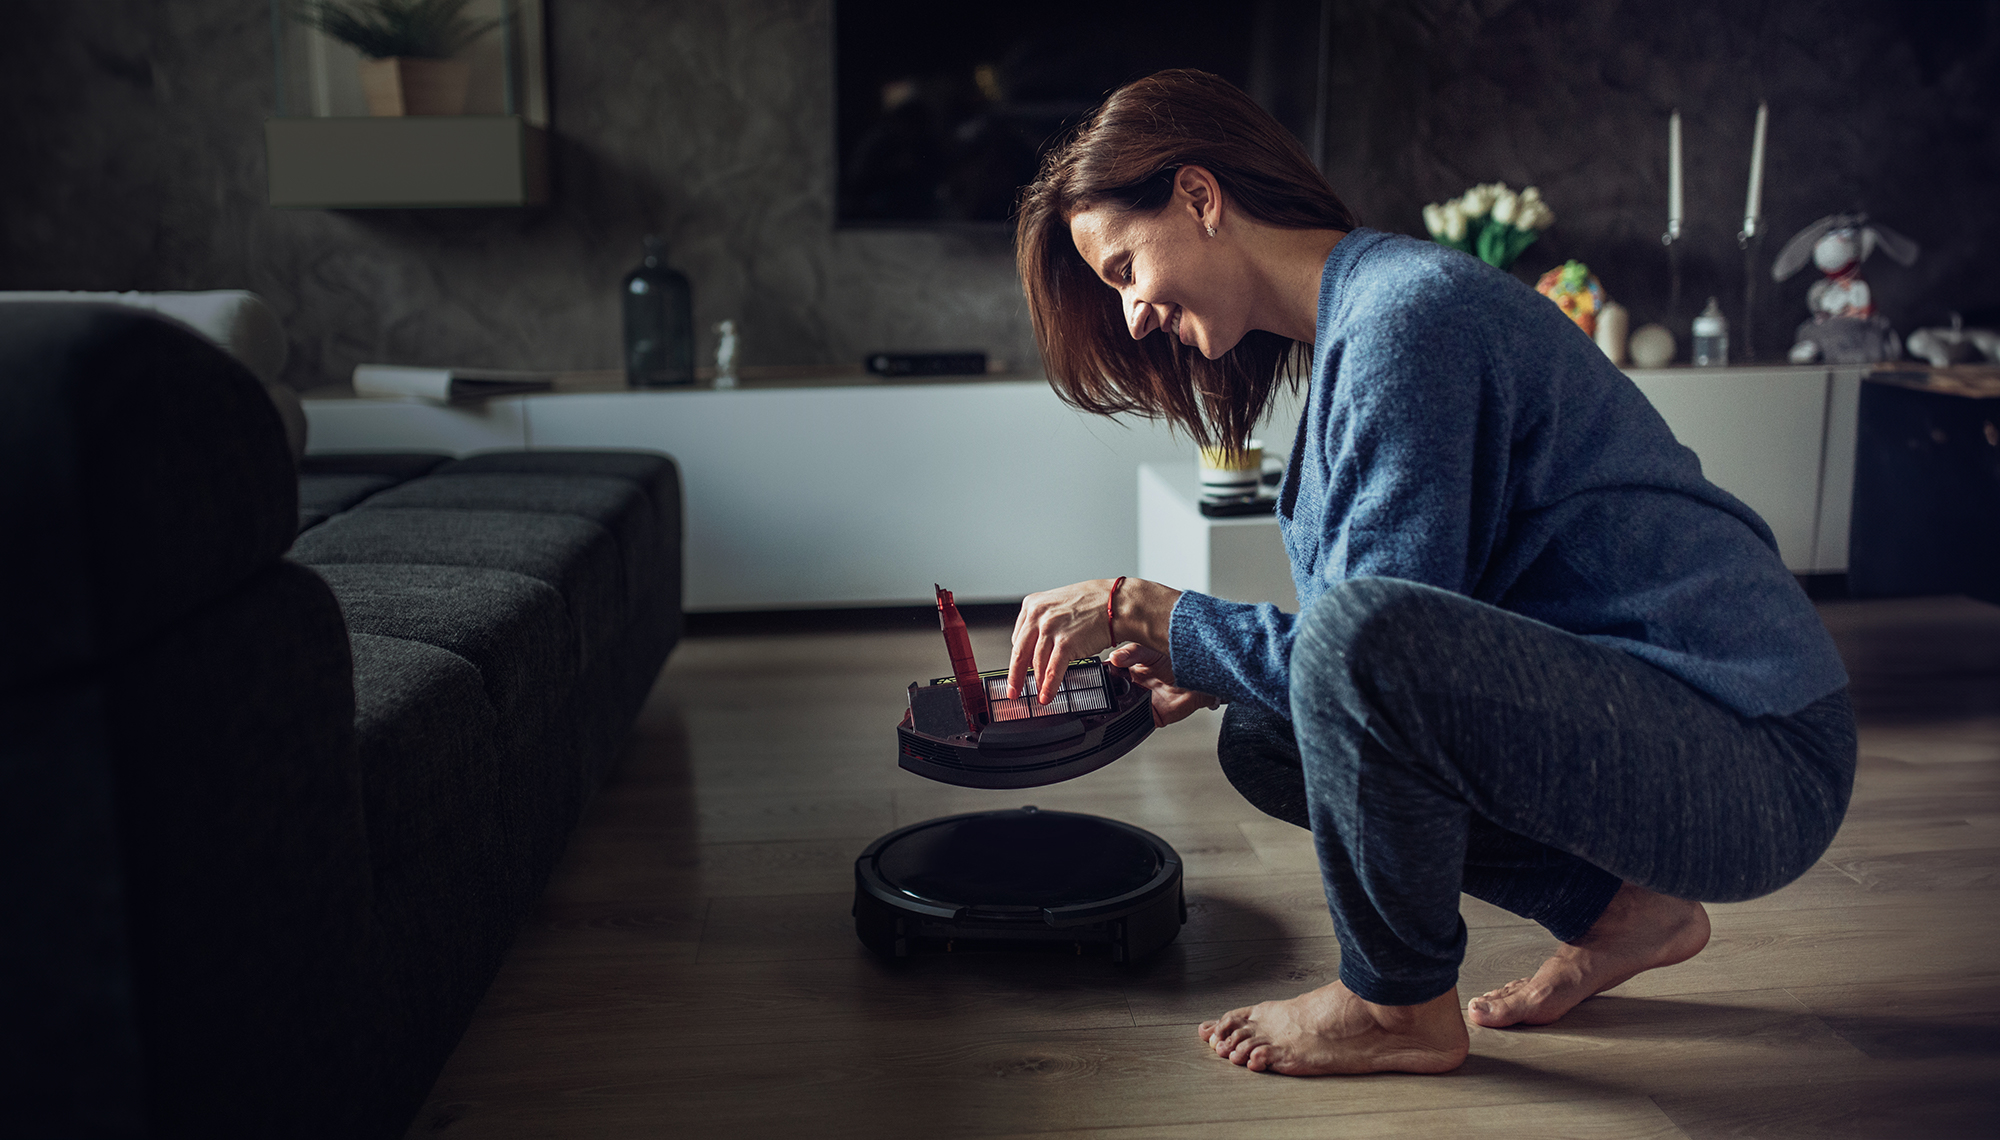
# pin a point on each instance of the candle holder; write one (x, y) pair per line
(1671, 239)
(1751, 241)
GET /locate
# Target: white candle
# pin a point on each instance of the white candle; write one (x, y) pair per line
(1753, 207)
(1674, 172)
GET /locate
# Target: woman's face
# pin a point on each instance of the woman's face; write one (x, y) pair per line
(1169, 274)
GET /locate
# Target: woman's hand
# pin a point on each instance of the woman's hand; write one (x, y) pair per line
(1058, 626)
(1150, 669)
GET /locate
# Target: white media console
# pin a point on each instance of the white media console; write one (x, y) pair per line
(851, 493)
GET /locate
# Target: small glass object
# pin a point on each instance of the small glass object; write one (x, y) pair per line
(659, 322)
(1711, 337)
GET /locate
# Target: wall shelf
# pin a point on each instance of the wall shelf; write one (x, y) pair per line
(417, 161)
(478, 140)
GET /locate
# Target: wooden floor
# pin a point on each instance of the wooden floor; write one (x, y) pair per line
(695, 972)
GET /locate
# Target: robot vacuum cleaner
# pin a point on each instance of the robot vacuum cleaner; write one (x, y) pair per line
(1023, 878)
(1016, 880)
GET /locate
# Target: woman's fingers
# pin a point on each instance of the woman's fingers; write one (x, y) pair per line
(1136, 657)
(1020, 659)
(1050, 668)
(1053, 628)
(1171, 705)
(1150, 669)
(1037, 641)
(1058, 626)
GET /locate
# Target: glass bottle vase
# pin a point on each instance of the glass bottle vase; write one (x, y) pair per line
(659, 322)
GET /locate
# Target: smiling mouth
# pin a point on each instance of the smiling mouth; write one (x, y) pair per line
(1174, 324)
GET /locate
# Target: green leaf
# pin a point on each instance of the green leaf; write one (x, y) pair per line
(381, 29)
(1500, 244)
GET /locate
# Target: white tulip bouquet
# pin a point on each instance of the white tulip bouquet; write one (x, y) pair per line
(1491, 222)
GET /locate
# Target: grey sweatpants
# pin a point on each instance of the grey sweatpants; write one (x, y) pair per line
(1438, 744)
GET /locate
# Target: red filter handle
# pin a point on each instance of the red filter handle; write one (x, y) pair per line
(971, 692)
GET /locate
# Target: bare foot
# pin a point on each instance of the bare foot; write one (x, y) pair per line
(1639, 931)
(1330, 1030)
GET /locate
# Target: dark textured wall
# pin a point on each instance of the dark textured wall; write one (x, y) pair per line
(132, 130)
(709, 122)
(1890, 106)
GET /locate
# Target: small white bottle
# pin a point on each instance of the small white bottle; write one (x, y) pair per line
(1612, 324)
(725, 355)
(1711, 337)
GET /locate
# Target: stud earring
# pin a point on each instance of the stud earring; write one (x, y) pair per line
(1211, 231)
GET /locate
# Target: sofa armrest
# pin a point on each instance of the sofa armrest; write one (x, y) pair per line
(235, 320)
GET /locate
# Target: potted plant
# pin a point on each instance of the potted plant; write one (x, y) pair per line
(407, 48)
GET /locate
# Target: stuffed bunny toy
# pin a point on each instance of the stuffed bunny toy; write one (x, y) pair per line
(1844, 328)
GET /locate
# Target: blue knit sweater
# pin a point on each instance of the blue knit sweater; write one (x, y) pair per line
(1461, 432)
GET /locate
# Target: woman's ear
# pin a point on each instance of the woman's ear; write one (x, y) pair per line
(1196, 191)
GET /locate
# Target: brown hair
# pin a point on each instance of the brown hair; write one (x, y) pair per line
(1125, 156)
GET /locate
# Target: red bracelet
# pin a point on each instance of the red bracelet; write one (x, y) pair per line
(1110, 608)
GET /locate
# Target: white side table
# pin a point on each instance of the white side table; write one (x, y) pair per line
(1242, 559)
(1781, 438)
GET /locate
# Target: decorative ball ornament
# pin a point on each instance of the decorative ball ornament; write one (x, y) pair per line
(1651, 347)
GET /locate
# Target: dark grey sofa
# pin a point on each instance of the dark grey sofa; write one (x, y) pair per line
(270, 822)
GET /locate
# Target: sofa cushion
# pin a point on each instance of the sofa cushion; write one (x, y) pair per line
(579, 558)
(428, 738)
(655, 475)
(330, 484)
(323, 496)
(513, 629)
(620, 506)
(399, 465)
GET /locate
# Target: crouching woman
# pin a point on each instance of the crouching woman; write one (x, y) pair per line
(1541, 660)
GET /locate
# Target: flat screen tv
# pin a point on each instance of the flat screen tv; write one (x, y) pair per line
(943, 110)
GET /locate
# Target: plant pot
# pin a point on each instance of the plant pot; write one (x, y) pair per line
(404, 86)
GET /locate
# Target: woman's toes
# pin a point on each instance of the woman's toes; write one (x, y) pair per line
(1511, 1004)
(1494, 1008)
(1259, 1059)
